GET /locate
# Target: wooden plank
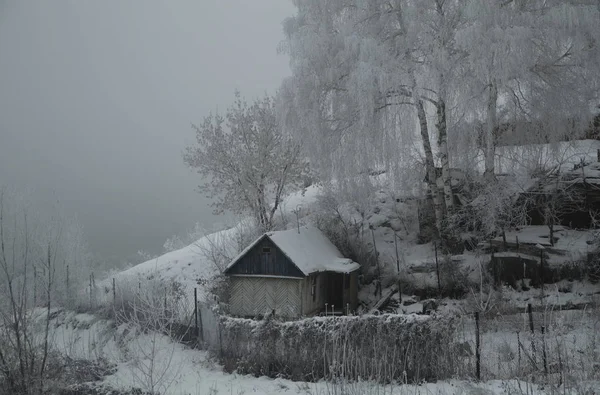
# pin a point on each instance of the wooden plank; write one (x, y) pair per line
(384, 298)
(251, 296)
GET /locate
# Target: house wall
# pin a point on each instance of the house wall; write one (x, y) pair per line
(312, 305)
(253, 296)
(273, 263)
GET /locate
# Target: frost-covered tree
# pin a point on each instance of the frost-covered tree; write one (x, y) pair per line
(247, 161)
(366, 76)
(531, 68)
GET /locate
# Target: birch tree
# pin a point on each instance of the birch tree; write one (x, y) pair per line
(440, 57)
(246, 160)
(367, 74)
(531, 63)
(371, 63)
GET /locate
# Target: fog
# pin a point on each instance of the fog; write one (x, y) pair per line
(97, 98)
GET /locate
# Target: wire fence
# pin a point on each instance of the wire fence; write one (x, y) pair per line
(547, 342)
(533, 342)
(156, 302)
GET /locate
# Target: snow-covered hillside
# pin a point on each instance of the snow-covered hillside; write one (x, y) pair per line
(192, 266)
(186, 266)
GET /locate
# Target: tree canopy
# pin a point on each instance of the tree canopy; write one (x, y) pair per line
(247, 160)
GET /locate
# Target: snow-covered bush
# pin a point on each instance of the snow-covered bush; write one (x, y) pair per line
(383, 348)
(495, 207)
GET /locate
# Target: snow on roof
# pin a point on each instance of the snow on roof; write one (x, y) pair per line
(309, 250)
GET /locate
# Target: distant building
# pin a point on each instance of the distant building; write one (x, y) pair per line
(293, 274)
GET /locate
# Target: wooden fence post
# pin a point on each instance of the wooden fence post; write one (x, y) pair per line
(437, 269)
(544, 351)
(200, 324)
(34, 287)
(477, 347)
(377, 261)
(519, 350)
(542, 271)
(114, 289)
(196, 312)
(92, 288)
(91, 304)
(397, 268)
(220, 338)
(68, 291)
(531, 328)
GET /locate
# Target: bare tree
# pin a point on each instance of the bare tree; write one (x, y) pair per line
(35, 255)
(249, 162)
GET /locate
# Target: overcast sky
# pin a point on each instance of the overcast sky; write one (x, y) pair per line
(97, 98)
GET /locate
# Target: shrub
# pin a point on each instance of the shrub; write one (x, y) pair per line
(385, 348)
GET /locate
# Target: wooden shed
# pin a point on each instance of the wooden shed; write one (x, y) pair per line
(295, 273)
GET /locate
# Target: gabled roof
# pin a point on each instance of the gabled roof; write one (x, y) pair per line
(309, 250)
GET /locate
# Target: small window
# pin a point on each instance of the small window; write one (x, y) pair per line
(313, 288)
(266, 250)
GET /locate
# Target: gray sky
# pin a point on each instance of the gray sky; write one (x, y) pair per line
(97, 98)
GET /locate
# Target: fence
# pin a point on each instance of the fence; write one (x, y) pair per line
(558, 346)
(546, 342)
(550, 343)
(386, 348)
(159, 304)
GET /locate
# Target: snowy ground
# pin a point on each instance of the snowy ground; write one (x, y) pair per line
(152, 361)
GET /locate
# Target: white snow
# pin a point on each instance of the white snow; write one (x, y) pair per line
(148, 359)
(572, 244)
(309, 250)
(187, 266)
(301, 200)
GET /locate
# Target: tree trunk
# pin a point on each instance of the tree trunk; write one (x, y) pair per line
(433, 191)
(263, 217)
(443, 146)
(491, 126)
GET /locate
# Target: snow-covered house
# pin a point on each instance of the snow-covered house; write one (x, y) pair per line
(294, 273)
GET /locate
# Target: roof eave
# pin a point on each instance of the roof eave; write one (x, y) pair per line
(335, 271)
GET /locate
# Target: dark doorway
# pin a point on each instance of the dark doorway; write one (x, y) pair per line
(335, 290)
